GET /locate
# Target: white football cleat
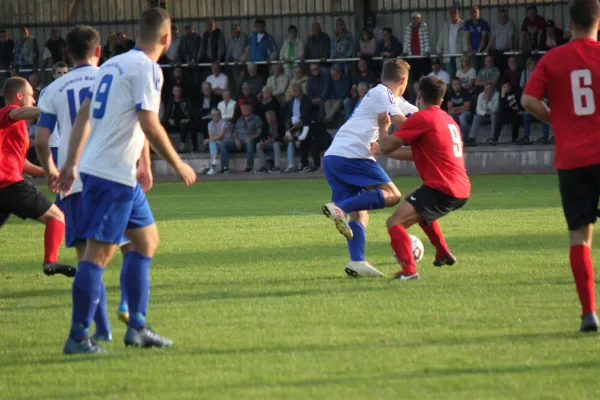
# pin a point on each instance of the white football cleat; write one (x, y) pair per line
(358, 269)
(340, 218)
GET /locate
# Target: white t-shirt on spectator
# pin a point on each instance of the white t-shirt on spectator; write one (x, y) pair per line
(466, 77)
(443, 75)
(353, 139)
(227, 110)
(218, 82)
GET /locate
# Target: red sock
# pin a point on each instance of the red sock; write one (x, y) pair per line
(434, 233)
(53, 237)
(403, 248)
(583, 272)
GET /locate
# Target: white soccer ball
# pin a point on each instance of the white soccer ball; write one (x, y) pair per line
(417, 248)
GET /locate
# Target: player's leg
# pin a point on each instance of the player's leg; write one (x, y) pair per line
(443, 256)
(405, 216)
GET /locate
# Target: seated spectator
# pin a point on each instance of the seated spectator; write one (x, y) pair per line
(256, 81)
(460, 106)
(525, 75)
(267, 103)
(367, 45)
(487, 109)
(298, 116)
(218, 80)
(227, 106)
(357, 93)
(509, 112)
(207, 102)
(278, 83)
(316, 141)
(272, 141)
(467, 74)
(176, 117)
(365, 74)
(338, 91)
(552, 36)
(488, 74)
(218, 130)
(299, 79)
(390, 46)
(176, 78)
(528, 119)
(292, 50)
(317, 88)
(438, 72)
(246, 132)
(247, 97)
(513, 73)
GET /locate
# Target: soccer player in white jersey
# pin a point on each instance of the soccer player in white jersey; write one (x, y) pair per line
(357, 181)
(106, 142)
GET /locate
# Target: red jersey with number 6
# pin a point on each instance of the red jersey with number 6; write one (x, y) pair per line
(571, 75)
(437, 150)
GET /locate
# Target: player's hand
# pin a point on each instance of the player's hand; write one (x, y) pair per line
(375, 149)
(53, 180)
(145, 178)
(384, 121)
(185, 173)
(66, 178)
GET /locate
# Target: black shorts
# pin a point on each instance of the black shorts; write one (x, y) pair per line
(432, 204)
(23, 200)
(580, 192)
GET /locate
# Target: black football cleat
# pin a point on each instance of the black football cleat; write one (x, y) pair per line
(589, 322)
(145, 337)
(51, 269)
(448, 259)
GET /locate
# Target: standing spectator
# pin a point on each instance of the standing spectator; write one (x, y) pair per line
(262, 46)
(317, 88)
(246, 132)
(176, 117)
(357, 93)
(271, 141)
(55, 47)
(189, 46)
(509, 112)
(6, 54)
(213, 44)
(218, 130)
(477, 31)
(487, 112)
(256, 81)
(318, 45)
(451, 40)
(389, 47)
(552, 36)
(218, 80)
(227, 107)
(291, 51)
(531, 31)
(175, 40)
(488, 74)
(59, 69)
(36, 83)
(525, 75)
(371, 24)
(238, 53)
(342, 44)
(467, 74)
(416, 43)
(246, 97)
(502, 39)
(338, 91)
(367, 45)
(123, 44)
(365, 74)
(513, 73)
(208, 101)
(26, 52)
(278, 83)
(438, 72)
(110, 48)
(459, 106)
(299, 79)
(298, 115)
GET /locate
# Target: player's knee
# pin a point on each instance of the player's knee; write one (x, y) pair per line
(363, 218)
(53, 213)
(581, 236)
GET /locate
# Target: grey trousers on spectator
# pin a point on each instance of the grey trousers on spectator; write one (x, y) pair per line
(479, 120)
(262, 148)
(332, 107)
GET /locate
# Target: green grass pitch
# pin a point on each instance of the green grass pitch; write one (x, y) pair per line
(249, 281)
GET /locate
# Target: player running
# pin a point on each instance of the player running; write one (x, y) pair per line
(437, 151)
(18, 196)
(121, 108)
(357, 181)
(570, 74)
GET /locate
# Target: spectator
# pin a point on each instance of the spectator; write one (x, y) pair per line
(317, 140)
(6, 53)
(177, 118)
(292, 51)
(357, 93)
(256, 81)
(246, 132)
(467, 74)
(389, 47)
(438, 72)
(278, 83)
(416, 43)
(59, 69)
(317, 88)
(371, 24)
(55, 47)
(110, 48)
(525, 75)
(367, 45)
(487, 110)
(531, 30)
(227, 106)
(218, 80)
(338, 91)
(123, 44)
(509, 112)
(451, 40)
(414, 96)
(552, 36)
(460, 106)
(175, 79)
(318, 45)
(298, 116)
(189, 46)
(299, 79)
(528, 119)
(212, 48)
(175, 41)
(477, 31)
(502, 38)
(26, 52)
(246, 97)
(262, 46)
(219, 130)
(238, 53)
(207, 102)
(513, 73)
(268, 103)
(36, 84)
(342, 43)
(365, 74)
(272, 141)
(488, 74)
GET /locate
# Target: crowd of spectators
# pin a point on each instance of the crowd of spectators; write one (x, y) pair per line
(242, 104)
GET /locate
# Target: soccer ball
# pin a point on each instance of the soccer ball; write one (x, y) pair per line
(417, 248)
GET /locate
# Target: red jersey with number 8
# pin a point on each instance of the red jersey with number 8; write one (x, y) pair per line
(437, 150)
(571, 75)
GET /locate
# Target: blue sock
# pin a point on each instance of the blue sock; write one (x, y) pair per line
(87, 288)
(137, 285)
(101, 316)
(367, 200)
(123, 303)
(356, 245)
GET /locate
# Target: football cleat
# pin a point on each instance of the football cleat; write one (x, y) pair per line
(340, 218)
(85, 346)
(123, 314)
(51, 269)
(357, 269)
(448, 259)
(102, 337)
(589, 322)
(145, 337)
(402, 276)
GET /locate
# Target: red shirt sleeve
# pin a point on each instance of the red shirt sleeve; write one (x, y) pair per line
(5, 121)
(411, 129)
(538, 83)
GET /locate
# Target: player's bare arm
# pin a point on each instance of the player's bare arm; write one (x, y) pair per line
(24, 113)
(536, 107)
(398, 120)
(45, 156)
(404, 153)
(32, 170)
(144, 170)
(79, 135)
(387, 143)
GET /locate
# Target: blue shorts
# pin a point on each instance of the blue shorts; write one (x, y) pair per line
(348, 177)
(54, 152)
(109, 208)
(74, 221)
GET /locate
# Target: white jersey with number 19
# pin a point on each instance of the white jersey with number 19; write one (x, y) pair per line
(125, 84)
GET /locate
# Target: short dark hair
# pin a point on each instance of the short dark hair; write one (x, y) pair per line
(260, 21)
(432, 90)
(388, 30)
(177, 85)
(3, 31)
(292, 28)
(82, 41)
(456, 78)
(584, 13)
(394, 69)
(13, 85)
(532, 8)
(151, 22)
(58, 65)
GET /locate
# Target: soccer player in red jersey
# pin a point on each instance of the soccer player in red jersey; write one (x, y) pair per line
(18, 196)
(571, 76)
(436, 146)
